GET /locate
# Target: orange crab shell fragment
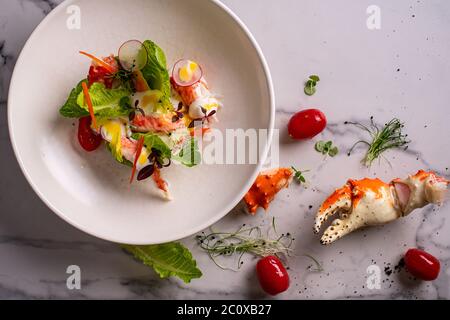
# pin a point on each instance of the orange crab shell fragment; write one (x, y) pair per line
(354, 190)
(421, 175)
(267, 185)
(361, 187)
(336, 196)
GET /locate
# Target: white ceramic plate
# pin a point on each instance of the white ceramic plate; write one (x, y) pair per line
(90, 190)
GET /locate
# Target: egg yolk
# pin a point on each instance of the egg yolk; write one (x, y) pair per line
(186, 72)
(143, 157)
(150, 98)
(115, 130)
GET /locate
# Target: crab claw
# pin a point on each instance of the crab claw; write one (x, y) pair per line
(372, 202)
(339, 201)
(361, 203)
(341, 227)
(350, 202)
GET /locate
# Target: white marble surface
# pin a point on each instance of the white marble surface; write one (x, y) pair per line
(360, 78)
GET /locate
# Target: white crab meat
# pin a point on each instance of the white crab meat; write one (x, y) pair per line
(418, 190)
(202, 107)
(198, 98)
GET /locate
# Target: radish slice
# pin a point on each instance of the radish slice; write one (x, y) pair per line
(132, 55)
(186, 72)
(403, 193)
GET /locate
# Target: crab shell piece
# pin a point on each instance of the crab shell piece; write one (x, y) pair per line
(267, 185)
(370, 202)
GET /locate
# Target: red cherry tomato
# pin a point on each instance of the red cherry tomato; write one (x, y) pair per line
(272, 275)
(100, 74)
(306, 124)
(88, 139)
(422, 265)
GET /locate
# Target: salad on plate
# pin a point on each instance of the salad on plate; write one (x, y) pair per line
(147, 118)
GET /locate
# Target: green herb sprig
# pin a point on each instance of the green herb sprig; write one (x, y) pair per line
(326, 148)
(310, 85)
(247, 240)
(390, 136)
(298, 175)
(244, 240)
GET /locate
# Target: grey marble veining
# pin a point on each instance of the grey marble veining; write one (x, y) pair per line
(401, 70)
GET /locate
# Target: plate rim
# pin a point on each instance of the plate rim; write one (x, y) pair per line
(189, 232)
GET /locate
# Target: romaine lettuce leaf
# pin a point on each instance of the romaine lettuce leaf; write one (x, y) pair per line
(155, 72)
(168, 259)
(112, 112)
(71, 109)
(104, 101)
(124, 161)
(189, 155)
(153, 141)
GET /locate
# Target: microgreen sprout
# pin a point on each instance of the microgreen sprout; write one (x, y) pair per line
(382, 139)
(310, 85)
(249, 240)
(298, 175)
(326, 148)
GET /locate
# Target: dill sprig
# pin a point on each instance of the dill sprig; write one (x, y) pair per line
(382, 139)
(246, 240)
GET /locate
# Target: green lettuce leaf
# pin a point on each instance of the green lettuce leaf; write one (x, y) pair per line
(153, 141)
(124, 161)
(168, 259)
(189, 155)
(106, 102)
(112, 113)
(155, 72)
(71, 109)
